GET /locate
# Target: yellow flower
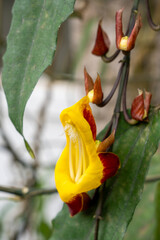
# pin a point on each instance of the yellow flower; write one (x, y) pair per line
(80, 167)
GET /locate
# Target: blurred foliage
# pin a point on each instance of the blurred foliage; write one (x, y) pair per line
(143, 224)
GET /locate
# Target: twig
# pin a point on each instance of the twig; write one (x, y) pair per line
(152, 179)
(10, 148)
(25, 192)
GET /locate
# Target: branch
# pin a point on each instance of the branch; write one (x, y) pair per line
(25, 192)
(152, 179)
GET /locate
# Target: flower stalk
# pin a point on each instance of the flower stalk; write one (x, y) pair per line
(155, 27)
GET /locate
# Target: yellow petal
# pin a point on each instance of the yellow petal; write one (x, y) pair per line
(79, 168)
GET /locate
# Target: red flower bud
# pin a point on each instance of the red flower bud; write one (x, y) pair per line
(93, 90)
(140, 106)
(126, 43)
(102, 42)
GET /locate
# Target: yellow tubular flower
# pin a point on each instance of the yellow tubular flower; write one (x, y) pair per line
(80, 167)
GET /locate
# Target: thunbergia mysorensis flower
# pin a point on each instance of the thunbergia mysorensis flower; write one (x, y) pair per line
(126, 43)
(80, 167)
(102, 42)
(140, 105)
(93, 90)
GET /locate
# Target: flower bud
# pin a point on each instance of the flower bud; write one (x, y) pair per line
(126, 43)
(93, 90)
(102, 42)
(140, 106)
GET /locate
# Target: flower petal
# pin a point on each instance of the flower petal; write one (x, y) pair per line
(137, 109)
(87, 114)
(98, 94)
(89, 85)
(110, 163)
(102, 43)
(79, 203)
(119, 30)
(134, 33)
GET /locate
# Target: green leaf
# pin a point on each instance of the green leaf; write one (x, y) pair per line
(135, 145)
(31, 45)
(157, 212)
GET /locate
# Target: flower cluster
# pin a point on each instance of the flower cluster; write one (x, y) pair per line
(123, 42)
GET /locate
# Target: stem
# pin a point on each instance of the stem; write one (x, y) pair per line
(125, 113)
(117, 109)
(98, 214)
(110, 95)
(111, 58)
(149, 17)
(132, 17)
(25, 192)
(152, 179)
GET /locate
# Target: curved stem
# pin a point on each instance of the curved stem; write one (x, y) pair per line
(110, 95)
(124, 105)
(149, 17)
(111, 58)
(123, 85)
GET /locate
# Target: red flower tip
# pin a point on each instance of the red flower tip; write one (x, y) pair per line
(140, 106)
(134, 33)
(119, 28)
(111, 164)
(98, 94)
(102, 42)
(79, 203)
(89, 85)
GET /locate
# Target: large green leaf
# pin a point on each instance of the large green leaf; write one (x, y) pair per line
(135, 145)
(31, 45)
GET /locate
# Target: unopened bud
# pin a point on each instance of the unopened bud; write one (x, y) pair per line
(102, 42)
(126, 43)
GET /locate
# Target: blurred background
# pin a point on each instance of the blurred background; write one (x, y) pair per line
(61, 85)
